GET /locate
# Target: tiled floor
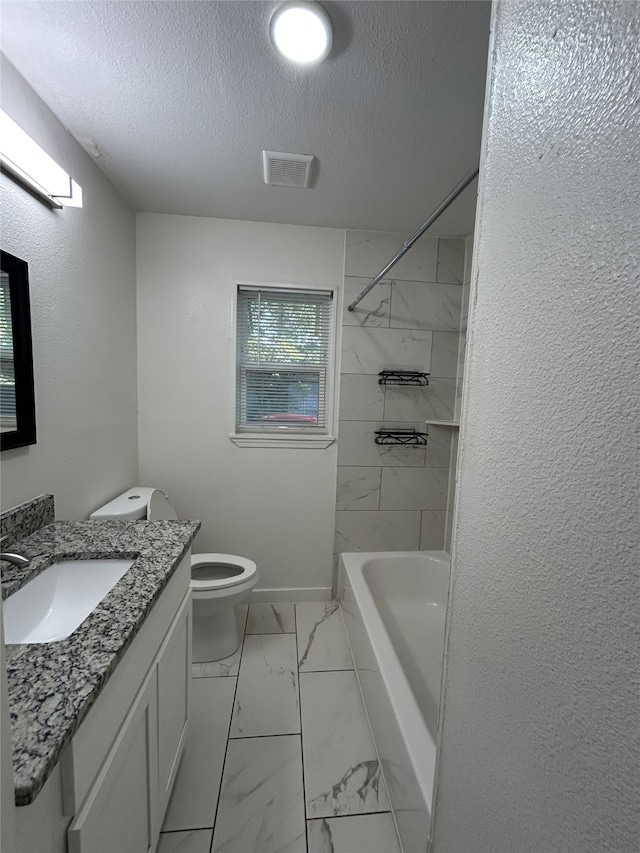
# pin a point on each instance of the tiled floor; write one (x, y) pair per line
(279, 757)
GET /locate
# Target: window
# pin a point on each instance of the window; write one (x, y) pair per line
(283, 382)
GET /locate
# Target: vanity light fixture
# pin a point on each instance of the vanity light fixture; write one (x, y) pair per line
(29, 165)
(301, 32)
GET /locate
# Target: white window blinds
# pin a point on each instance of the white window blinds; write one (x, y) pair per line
(283, 360)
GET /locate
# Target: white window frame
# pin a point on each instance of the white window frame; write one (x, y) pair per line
(288, 437)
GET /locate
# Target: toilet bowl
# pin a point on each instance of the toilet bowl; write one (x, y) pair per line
(218, 581)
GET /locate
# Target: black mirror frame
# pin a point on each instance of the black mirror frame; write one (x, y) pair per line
(25, 433)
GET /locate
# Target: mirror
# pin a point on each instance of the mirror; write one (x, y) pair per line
(17, 401)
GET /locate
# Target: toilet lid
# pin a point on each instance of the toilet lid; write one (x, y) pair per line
(216, 571)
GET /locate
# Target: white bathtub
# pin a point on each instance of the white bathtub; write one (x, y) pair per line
(394, 607)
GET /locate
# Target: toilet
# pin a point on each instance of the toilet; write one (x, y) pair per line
(218, 581)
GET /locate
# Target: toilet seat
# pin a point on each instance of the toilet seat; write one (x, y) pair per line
(243, 570)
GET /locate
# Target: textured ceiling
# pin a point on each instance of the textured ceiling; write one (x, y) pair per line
(181, 97)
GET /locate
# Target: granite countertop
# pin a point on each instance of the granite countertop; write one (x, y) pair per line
(52, 686)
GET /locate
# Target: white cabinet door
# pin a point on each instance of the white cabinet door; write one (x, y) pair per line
(121, 812)
(174, 680)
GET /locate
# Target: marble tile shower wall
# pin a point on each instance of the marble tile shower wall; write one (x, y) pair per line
(396, 498)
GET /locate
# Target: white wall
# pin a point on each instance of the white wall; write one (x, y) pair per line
(275, 506)
(82, 287)
(539, 748)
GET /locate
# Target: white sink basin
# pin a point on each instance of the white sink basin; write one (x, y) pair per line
(52, 605)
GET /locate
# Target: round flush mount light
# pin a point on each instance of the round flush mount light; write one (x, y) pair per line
(301, 32)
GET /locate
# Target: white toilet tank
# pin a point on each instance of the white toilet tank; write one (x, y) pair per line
(140, 503)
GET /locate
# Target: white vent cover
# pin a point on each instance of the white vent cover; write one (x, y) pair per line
(287, 170)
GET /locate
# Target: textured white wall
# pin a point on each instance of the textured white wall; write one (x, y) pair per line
(539, 742)
(275, 506)
(82, 288)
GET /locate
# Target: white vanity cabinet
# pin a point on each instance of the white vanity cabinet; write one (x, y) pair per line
(118, 771)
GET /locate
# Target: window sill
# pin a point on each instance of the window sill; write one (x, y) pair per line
(309, 442)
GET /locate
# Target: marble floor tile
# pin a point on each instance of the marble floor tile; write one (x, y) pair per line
(372, 833)
(341, 770)
(194, 841)
(322, 640)
(261, 806)
(195, 792)
(226, 666)
(267, 696)
(271, 619)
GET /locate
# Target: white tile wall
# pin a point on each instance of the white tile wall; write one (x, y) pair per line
(432, 530)
(358, 488)
(370, 350)
(438, 453)
(414, 488)
(444, 354)
(415, 305)
(356, 446)
(361, 398)
(367, 252)
(375, 307)
(451, 256)
(395, 498)
(378, 531)
(406, 403)
(464, 318)
(462, 346)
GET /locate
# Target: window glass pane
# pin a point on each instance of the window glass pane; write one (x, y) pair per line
(282, 397)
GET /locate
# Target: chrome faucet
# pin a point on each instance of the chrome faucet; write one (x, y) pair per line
(10, 557)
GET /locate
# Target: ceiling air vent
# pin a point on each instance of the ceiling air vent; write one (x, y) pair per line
(287, 170)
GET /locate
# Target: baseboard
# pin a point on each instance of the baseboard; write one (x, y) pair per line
(306, 593)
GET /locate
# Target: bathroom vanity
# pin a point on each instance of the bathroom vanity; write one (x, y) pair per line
(99, 719)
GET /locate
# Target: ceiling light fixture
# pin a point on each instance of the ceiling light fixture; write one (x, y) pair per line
(301, 32)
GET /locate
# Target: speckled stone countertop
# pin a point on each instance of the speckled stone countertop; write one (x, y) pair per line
(52, 686)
